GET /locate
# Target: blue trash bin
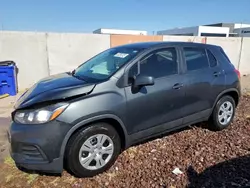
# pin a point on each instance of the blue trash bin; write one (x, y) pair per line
(8, 78)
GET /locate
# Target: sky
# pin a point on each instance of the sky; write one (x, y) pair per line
(88, 15)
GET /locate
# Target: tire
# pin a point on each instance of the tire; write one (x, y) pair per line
(214, 121)
(88, 136)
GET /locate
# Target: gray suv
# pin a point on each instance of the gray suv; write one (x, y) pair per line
(82, 120)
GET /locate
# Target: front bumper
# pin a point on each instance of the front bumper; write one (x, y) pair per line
(37, 147)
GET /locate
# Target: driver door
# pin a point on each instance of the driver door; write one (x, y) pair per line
(158, 106)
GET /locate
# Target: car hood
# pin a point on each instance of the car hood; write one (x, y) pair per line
(56, 87)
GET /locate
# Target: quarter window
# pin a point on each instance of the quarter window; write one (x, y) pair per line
(196, 58)
(212, 59)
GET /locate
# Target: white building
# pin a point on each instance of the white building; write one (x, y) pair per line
(119, 31)
(239, 25)
(242, 32)
(233, 32)
(197, 31)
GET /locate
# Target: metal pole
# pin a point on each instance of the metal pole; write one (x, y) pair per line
(241, 45)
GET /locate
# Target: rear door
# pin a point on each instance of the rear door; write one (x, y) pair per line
(203, 77)
(219, 77)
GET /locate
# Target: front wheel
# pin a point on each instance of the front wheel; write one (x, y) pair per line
(92, 150)
(223, 113)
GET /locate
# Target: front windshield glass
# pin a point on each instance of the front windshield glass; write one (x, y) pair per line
(103, 65)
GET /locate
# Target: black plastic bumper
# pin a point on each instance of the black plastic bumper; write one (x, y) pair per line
(37, 147)
(55, 166)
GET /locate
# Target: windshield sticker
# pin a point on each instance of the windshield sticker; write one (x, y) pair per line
(121, 55)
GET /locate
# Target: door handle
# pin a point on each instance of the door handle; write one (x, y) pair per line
(217, 73)
(177, 86)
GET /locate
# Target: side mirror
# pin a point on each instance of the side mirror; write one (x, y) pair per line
(141, 80)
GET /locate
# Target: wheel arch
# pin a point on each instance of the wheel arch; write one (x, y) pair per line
(234, 93)
(115, 121)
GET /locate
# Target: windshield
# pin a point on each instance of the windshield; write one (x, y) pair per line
(103, 65)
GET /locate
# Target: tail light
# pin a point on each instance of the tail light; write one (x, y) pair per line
(237, 72)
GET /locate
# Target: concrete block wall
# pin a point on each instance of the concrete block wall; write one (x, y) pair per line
(41, 54)
(184, 39)
(244, 66)
(116, 40)
(28, 50)
(67, 51)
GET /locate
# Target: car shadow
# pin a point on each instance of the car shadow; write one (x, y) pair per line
(231, 173)
(202, 125)
(38, 172)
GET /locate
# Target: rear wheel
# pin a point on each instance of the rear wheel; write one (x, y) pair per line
(92, 150)
(223, 113)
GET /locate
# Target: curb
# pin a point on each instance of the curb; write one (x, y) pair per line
(4, 96)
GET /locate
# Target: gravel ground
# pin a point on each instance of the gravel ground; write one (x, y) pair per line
(206, 158)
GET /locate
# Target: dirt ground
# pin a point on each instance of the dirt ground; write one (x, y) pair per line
(6, 105)
(245, 83)
(206, 158)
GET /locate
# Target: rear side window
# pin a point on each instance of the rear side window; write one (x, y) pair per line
(211, 58)
(196, 58)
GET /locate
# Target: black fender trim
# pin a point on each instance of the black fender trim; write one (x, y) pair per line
(223, 93)
(89, 120)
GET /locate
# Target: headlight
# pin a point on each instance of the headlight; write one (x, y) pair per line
(38, 116)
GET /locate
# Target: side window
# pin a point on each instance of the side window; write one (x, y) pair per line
(196, 58)
(160, 63)
(212, 59)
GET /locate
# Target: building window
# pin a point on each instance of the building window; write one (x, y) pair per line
(213, 35)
